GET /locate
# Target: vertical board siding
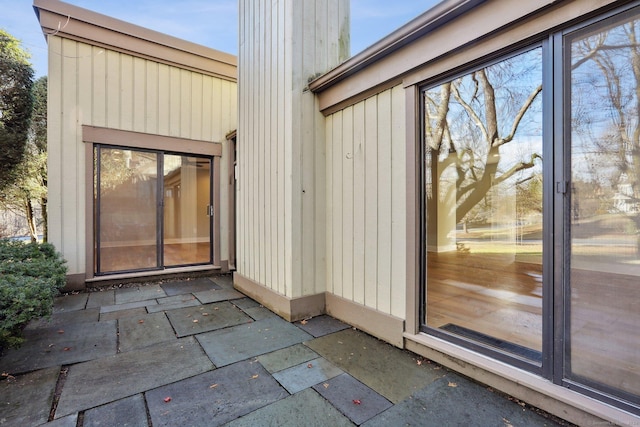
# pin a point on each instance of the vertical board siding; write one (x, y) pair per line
(281, 146)
(90, 85)
(366, 202)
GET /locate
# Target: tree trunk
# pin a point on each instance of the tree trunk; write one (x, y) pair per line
(31, 220)
(45, 220)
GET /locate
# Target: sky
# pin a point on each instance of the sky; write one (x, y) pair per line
(212, 23)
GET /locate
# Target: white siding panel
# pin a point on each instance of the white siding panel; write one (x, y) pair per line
(366, 202)
(358, 202)
(398, 203)
(384, 202)
(347, 204)
(371, 203)
(336, 205)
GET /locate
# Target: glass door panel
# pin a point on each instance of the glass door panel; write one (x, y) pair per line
(483, 186)
(126, 210)
(603, 283)
(187, 210)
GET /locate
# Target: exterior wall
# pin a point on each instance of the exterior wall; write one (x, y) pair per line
(281, 157)
(366, 192)
(372, 214)
(96, 86)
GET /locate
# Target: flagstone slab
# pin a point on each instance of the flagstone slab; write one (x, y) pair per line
(69, 302)
(306, 374)
(141, 293)
(241, 342)
(259, 313)
(68, 421)
(217, 295)
(65, 317)
(127, 306)
(392, 372)
(127, 412)
(108, 379)
(244, 303)
(225, 281)
(100, 298)
(179, 287)
(26, 399)
(287, 357)
(209, 317)
(144, 331)
(456, 401)
(171, 303)
(215, 397)
(61, 344)
(120, 314)
(305, 408)
(321, 325)
(352, 398)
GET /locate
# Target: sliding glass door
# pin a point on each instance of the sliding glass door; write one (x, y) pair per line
(603, 213)
(483, 181)
(152, 210)
(531, 208)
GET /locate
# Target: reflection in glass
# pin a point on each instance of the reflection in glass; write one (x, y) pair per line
(483, 179)
(128, 201)
(604, 218)
(186, 210)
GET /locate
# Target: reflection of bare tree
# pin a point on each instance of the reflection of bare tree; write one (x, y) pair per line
(605, 107)
(468, 123)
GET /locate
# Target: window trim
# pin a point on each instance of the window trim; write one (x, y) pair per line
(137, 140)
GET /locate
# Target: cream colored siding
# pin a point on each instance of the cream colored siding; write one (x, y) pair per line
(281, 182)
(95, 86)
(366, 198)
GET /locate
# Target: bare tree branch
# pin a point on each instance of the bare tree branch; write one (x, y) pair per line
(516, 122)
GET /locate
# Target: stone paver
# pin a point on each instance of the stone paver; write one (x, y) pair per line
(120, 314)
(171, 303)
(142, 293)
(215, 397)
(388, 370)
(225, 281)
(306, 408)
(180, 287)
(62, 344)
(241, 342)
(68, 421)
(321, 325)
(352, 398)
(244, 303)
(144, 331)
(26, 399)
(100, 298)
(127, 306)
(216, 295)
(70, 302)
(128, 412)
(259, 313)
(287, 357)
(108, 379)
(64, 318)
(306, 374)
(456, 401)
(195, 320)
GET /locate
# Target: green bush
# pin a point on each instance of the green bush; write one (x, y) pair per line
(31, 274)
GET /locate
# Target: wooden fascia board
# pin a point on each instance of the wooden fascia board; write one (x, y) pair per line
(68, 21)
